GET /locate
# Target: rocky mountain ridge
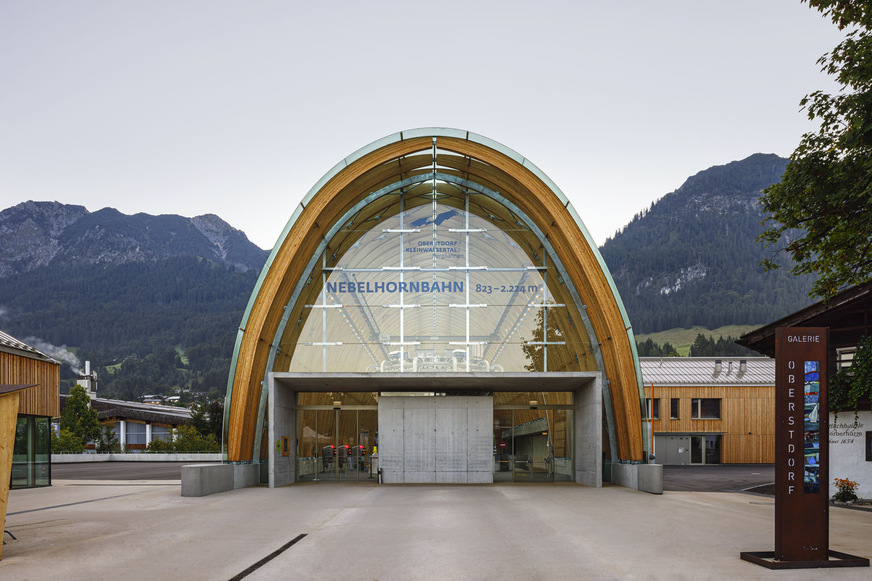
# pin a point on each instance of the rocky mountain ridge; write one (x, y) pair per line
(36, 234)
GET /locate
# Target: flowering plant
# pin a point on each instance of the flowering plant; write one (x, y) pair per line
(846, 491)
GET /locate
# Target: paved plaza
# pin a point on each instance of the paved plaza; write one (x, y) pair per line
(144, 529)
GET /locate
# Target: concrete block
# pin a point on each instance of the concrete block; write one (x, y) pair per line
(206, 479)
(245, 475)
(651, 478)
(626, 475)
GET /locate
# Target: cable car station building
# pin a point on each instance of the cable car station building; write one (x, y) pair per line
(435, 310)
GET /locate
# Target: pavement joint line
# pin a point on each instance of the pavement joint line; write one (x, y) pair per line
(71, 503)
(268, 558)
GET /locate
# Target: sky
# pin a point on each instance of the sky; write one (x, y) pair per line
(238, 108)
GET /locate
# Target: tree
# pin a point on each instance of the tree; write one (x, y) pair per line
(78, 417)
(208, 418)
(820, 213)
(108, 441)
(66, 442)
(187, 439)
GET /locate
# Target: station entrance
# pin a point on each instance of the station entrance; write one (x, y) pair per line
(462, 433)
(418, 319)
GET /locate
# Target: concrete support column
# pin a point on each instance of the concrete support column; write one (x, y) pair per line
(588, 434)
(147, 433)
(282, 416)
(121, 432)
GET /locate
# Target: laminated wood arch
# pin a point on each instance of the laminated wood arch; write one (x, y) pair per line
(419, 160)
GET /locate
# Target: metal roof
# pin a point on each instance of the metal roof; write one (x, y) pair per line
(708, 371)
(10, 344)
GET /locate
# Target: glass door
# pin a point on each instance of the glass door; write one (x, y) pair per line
(335, 445)
(533, 445)
(504, 454)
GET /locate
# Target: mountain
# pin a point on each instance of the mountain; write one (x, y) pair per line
(35, 234)
(162, 294)
(692, 258)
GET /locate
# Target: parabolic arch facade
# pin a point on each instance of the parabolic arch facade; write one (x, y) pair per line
(439, 262)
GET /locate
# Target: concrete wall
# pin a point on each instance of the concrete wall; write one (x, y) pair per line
(644, 477)
(282, 423)
(589, 435)
(849, 449)
(206, 479)
(76, 458)
(436, 439)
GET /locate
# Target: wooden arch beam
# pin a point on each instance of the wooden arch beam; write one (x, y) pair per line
(388, 161)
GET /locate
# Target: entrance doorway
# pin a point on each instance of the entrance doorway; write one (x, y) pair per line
(336, 444)
(705, 449)
(533, 445)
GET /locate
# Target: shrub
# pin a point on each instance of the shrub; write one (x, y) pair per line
(847, 490)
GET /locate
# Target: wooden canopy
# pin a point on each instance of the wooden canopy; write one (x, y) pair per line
(351, 189)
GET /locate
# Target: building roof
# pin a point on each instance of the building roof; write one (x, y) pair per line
(708, 371)
(847, 314)
(10, 344)
(132, 410)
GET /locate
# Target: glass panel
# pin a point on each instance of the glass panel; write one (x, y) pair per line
(22, 470)
(503, 447)
(711, 408)
(561, 445)
(712, 449)
(532, 439)
(348, 456)
(673, 408)
(42, 452)
(309, 445)
(367, 441)
(427, 286)
(696, 443)
(811, 428)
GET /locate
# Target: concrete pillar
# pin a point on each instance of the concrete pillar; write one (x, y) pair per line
(282, 423)
(588, 434)
(122, 434)
(147, 433)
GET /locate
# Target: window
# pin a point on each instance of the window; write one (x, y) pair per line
(844, 357)
(673, 408)
(705, 409)
(655, 415)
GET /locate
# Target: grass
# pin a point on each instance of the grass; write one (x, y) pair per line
(682, 339)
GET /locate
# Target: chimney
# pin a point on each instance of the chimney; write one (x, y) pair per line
(89, 381)
(718, 367)
(743, 367)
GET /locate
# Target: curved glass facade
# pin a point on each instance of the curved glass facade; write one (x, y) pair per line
(436, 282)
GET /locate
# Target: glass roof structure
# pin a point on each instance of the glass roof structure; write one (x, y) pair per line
(435, 251)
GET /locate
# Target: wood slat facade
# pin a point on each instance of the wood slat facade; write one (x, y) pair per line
(747, 422)
(19, 369)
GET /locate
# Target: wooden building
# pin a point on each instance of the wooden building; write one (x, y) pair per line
(21, 364)
(710, 410)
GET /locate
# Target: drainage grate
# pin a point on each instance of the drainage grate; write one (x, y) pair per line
(268, 558)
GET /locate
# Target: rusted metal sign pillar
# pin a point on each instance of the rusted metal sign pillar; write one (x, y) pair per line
(802, 455)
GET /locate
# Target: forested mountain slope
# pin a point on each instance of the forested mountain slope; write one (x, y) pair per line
(692, 259)
(161, 294)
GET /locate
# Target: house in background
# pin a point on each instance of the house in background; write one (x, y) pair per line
(710, 410)
(137, 424)
(848, 315)
(21, 364)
